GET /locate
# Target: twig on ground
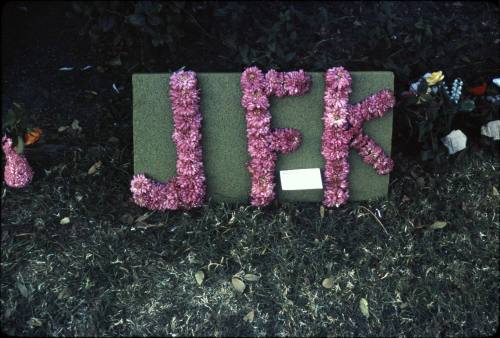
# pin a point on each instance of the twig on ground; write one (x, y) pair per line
(376, 218)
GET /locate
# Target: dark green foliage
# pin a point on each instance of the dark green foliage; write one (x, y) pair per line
(429, 116)
(125, 22)
(316, 36)
(14, 125)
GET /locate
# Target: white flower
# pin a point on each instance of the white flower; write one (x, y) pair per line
(491, 129)
(455, 141)
(497, 81)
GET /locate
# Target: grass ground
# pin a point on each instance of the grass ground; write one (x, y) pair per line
(116, 270)
(113, 273)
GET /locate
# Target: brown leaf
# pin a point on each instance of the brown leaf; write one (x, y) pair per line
(76, 125)
(495, 192)
(249, 316)
(143, 217)
(199, 276)
(22, 289)
(34, 322)
(251, 277)
(363, 307)
(438, 225)
(95, 167)
(238, 284)
(327, 283)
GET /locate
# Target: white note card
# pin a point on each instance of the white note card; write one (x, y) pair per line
(301, 179)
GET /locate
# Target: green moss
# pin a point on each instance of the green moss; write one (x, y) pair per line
(224, 134)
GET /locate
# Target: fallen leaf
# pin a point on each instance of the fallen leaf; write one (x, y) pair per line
(62, 128)
(34, 322)
(22, 289)
(66, 68)
(251, 277)
(238, 284)
(143, 217)
(96, 166)
(322, 212)
(495, 192)
(438, 225)
(76, 125)
(363, 307)
(327, 283)
(65, 220)
(62, 294)
(200, 276)
(249, 316)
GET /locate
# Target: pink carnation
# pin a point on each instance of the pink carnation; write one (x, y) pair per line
(183, 82)
(252, 78)
(296, 83)
(275, 83)
(286, 140)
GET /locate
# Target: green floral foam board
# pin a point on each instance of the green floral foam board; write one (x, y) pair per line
(224, 134)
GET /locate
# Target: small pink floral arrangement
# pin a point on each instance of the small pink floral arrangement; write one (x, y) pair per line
(17, 134)
(187, 189)
(17, 171)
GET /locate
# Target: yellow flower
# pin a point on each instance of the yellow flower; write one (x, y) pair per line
(434, 78)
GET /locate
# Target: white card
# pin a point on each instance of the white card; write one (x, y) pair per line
(301, 179)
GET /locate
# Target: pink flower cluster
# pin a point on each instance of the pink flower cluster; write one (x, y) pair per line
(372, 107)
(17, 172)
(343, 125)
(263, 142)
(187, 189)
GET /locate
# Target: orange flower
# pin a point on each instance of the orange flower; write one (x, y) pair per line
(32, 136)
(479, 90)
